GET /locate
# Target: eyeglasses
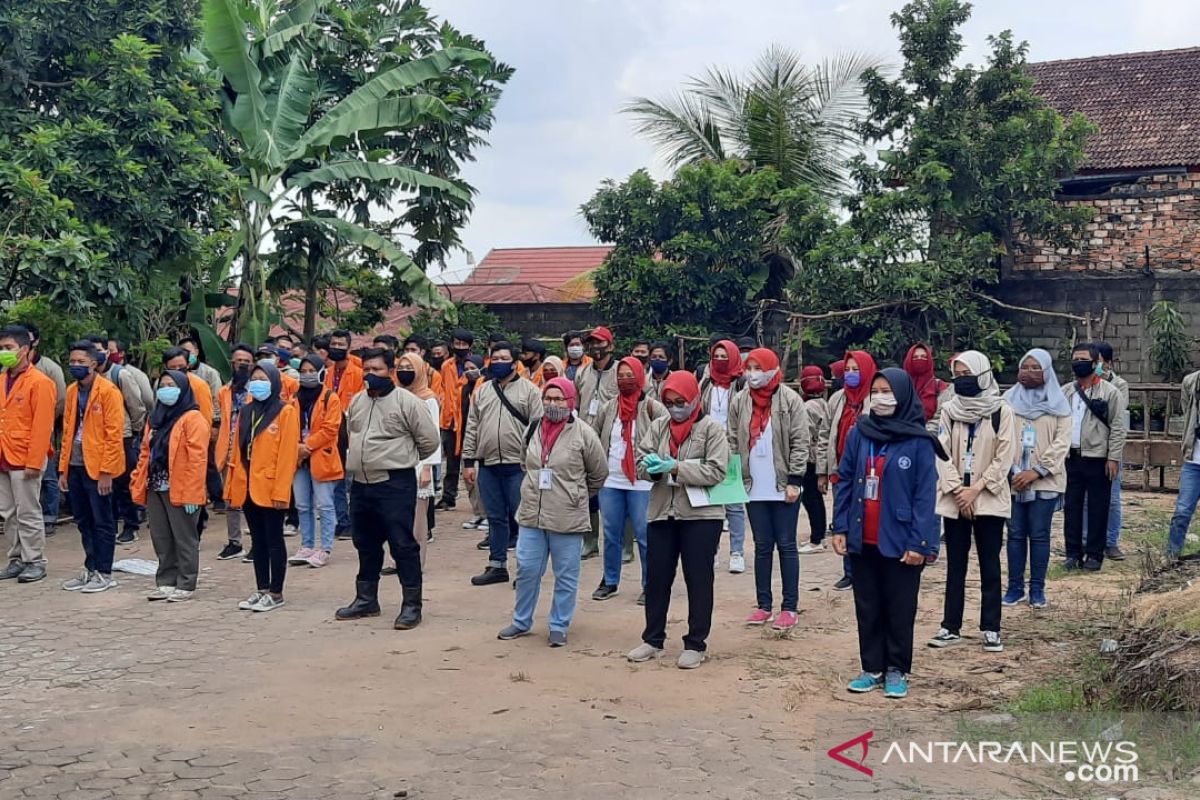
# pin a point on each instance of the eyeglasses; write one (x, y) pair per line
(1031, 369)
(554, 401)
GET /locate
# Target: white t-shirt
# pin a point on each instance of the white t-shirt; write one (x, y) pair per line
(718, 406)
(762, 470)
(432, 404)
(616, 455)
(1078, 409)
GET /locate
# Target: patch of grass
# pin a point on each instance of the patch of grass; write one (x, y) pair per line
(1057, 696)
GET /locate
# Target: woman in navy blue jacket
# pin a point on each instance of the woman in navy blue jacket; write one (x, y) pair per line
(883, 516)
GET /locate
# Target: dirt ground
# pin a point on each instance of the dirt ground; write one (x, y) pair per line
(111, 696)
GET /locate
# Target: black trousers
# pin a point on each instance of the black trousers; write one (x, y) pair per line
(988, 533)
(453, 467)
(885, 603)
(1087, 484)
(694, 544)
(384, 512)
(814, 506)
(270, 555)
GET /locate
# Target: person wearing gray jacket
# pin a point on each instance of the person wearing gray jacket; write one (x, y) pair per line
(139, 402)
(564, 467)
(494, 452)
(1189, 474)
(812, 384)
(685, 455)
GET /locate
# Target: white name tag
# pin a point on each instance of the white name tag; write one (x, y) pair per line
(1029, 438)
(871, 488)
(545, 478)
(594, 407)
(969, 463)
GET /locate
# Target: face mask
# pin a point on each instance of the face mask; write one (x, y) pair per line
(101, 359)
(922, 367)
(462, 352)
(295, 363)
(813, 387)
(719, 367)
(853, 379)
(259, 390)
(659, 366)
(967, 386)
(241, 374)
(557, 413)
(1030, 381)
(758, 379)
(1082, 368)
(436, 362)
(9, 358)
(310, 380)
(628, 386)
(744, 357)
(192, 361)
(284, 354)
(883, 405)
(529, 363)
(168, 395)
(471, 374)
(406, 377)
(600, 353)
(116, 358)
(644, 359)
(337, 353)
(501, 369)
(681, 414)
(378, 383)
(575, 352)
(79, 373)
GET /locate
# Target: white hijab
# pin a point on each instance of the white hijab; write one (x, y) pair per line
(973, 409)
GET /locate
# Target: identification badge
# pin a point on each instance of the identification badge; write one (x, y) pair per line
(594, 407)
(969, 463)
(1029, 438)
(871, 488)
(545, 478)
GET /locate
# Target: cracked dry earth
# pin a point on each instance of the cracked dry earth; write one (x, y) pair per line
(110, 696)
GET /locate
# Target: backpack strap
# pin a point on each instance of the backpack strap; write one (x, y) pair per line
(996, 421)
(531, 430)
(521, 418)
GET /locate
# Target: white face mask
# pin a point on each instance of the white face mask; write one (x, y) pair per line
(757, 379)
(883, 405)
(575, 352)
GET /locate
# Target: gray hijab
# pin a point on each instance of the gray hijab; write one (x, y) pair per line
(1047, 400)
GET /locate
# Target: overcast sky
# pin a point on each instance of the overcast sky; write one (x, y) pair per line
(558, 129)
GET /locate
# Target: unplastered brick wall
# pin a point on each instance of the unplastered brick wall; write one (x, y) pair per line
(1159, 211)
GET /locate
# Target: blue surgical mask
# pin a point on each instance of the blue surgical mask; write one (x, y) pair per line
(294, 363)
(259, 390)
(78, 372)
(501, 369)
(853, 379)
(658, 366)
(168, 395)
(192, 360)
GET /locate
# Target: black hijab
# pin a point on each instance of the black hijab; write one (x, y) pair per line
(909, 420)
(164, 417)
(308, 395)
(258, 415)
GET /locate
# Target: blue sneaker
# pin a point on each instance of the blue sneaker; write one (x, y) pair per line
(1037, 598)
(1012, 597)
(896, 685)
(866, 682)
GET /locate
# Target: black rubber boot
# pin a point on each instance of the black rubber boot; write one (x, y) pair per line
(366, 602)
(410, 609)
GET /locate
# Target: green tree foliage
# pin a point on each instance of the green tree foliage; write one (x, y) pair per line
(475, 318)
(1171, 348)
(968, 178)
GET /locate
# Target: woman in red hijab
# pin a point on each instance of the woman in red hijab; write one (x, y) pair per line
(562, 456)
(812, 385)
(722, 384)
(625, 496)
(769, 426)
(853, 399)
(683, 455)
(919, 366)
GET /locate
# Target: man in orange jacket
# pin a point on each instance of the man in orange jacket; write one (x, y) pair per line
(93, 454)
(453, 382)
(344, 378)
(27, 405)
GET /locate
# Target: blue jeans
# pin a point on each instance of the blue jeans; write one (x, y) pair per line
(341, 502)
(736, 515)
(51, 498)
(1029, 535)
(1114, 510)
(94, 517)
(308, 494)
(1185, 507)
(617, 505)
(774, 526)
(534, 548)
(500, 488)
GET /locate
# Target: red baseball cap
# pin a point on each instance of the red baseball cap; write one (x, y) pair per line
(602, 334)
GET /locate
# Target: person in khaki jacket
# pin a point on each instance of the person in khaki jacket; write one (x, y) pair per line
(1189, 475)
(684, 453)
(812, 384)
(976, 430)
(769, 431)
(565, 465)
(1043, 437)
(1094, 461)
(493, 451)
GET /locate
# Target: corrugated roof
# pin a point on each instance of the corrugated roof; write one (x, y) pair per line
(1146, 105)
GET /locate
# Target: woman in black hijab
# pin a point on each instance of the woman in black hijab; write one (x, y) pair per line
(883, 517)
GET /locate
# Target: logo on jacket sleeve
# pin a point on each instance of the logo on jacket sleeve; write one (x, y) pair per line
(904, 462)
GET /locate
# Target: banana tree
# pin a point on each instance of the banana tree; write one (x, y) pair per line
(291, 142)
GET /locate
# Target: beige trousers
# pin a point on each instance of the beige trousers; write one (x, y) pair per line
(21, 513)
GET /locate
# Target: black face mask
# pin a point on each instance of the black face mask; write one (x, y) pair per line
(461, 353)
(241, 375)
(337, 354)
(437, 361)
(644, 359)
(967, 386)
(530, 363)
(1083, 368)
(406, 377)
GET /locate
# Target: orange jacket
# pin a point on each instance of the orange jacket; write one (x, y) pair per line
(451, 396)
(324, 424)
(272, 462)
(187, 460)
(204, 398)
(27, 413)
(221, 448)
(351, 382)
(103, 429)
(290, 386)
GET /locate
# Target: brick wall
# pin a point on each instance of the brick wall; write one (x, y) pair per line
(545, 319)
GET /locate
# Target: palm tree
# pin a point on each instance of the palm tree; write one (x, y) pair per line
(797, 118)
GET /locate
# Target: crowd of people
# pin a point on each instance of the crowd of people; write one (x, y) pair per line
(367, 446)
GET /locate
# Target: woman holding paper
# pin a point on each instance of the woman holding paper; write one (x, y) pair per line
(768, 430)
(684, 455)
(883, 519)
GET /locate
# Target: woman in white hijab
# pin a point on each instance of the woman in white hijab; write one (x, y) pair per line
(1043, 439)
(976, 429)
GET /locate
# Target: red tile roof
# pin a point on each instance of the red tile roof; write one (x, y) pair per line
(1146, 105)
(534, 275)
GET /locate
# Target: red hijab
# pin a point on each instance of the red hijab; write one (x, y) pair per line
(730, 370)
(812, 380)
(855, 397)
(627, 406)
(761, 398)
(838, 369)
(925, 382)
(551, 430)
(683, 384)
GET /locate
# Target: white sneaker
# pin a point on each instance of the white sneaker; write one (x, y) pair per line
(99, 582)
(992, 643)
(291, 530)
(483, 525)
(644, 652)
(808, 548)
(78, 582)
(250, 602)
(737, 563)
(268, 603)
(180, 595)
(161, 593)
(944, 638)
(472, 523)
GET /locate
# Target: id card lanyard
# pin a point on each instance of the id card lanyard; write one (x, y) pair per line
(969, 458)
(871, 490)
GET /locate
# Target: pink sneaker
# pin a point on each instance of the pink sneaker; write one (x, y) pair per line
(759, 617)
(785, 621)
(319, 558)
(302, 556)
